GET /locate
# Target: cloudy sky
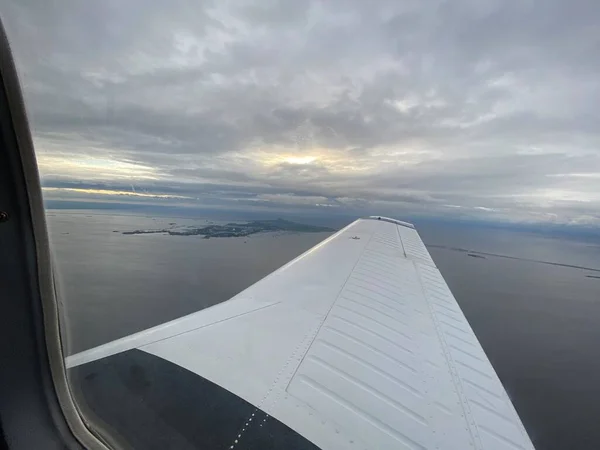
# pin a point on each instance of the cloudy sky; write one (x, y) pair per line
(471, 108)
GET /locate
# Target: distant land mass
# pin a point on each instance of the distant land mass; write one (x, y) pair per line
(233, 229)
(476, 254)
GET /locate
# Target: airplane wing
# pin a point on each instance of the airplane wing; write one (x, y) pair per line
(356, 344)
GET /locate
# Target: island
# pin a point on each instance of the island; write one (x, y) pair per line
(234, 229)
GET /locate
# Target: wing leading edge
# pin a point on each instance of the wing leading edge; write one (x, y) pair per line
(357, 343)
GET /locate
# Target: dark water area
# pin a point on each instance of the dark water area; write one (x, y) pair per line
(539, 323)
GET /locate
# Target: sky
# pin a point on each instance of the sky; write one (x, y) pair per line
(483, 109)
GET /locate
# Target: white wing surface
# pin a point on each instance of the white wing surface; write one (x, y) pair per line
(356, 344)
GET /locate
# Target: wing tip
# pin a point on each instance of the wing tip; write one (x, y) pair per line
(388, 219)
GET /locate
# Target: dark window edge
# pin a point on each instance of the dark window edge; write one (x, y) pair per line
(31, 239)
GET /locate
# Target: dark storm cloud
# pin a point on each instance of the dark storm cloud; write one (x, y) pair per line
(484, 107)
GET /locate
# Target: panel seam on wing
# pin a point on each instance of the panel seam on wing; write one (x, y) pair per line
(206, 325)
(259, 406)
(473, 429)
(80, 358)
(329, 311)
(400, 239)
(302, 348)
(502, 394)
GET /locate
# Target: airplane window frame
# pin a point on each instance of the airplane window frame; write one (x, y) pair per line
(37, 409)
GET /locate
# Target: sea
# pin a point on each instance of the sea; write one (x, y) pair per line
(530, 297)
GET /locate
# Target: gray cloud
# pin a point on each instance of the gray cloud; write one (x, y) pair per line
(476, 108)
